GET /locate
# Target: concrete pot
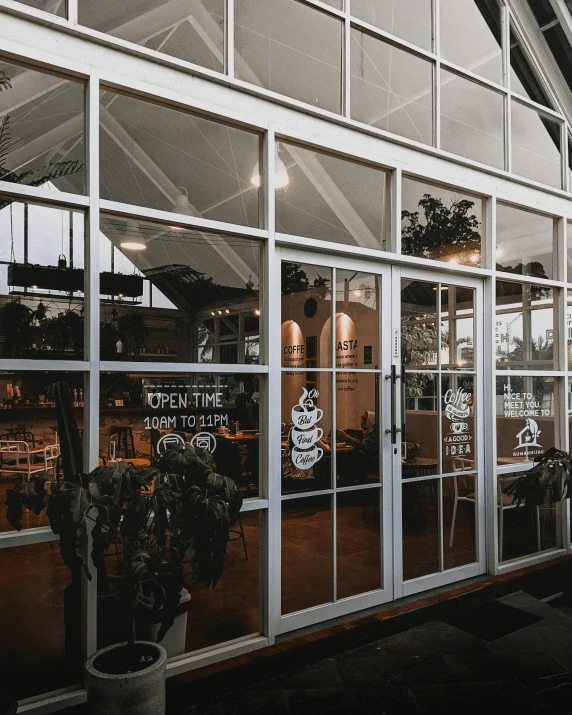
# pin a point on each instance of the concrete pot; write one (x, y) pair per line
(140, 693)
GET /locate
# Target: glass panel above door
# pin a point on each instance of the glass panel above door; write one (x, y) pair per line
(419, 332)
(457, 328)
(358, 305)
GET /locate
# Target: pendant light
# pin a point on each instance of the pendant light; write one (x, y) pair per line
(133, 241)
(281, 178)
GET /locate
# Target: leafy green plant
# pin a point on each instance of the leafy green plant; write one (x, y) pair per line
(447, 230)
(16, 324)
(148, 521)
(549, 480)
(132, 331)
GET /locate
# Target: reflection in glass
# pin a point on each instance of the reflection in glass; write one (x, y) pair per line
(290, 48)
(358, 544)
(525, 242)
(307, 563)
(42, 126)
(177, 295)
(523, 77)
(458, 423)
(525, 408)
(55, 7)
(471, 36)
(472, 119)
(421, 449)
(442, 224)
(535, 145)
(420, 520)
(357, 428)
(41, 637)
(457, 327)
(358, 304)
(459, 520)
(332, 199)
(142, 414)
(524, 330)
(167, 159)
(189, 31)
(29, 442)
(41, 282)
(419, 332)
(306, 431)
(391, 89)
(408, 19)
(306, 315)
(523, 531)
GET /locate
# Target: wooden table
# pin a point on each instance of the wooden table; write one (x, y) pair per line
(240, 437)
(504, 461)
(137, 462)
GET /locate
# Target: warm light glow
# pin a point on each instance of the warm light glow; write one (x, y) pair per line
(256, 311)
(454, 261)
(227, 311)
(357, 293)
(212, 312)
(498, 252)
(220, 312)
(475, 258)
(133, 246)
(281, 178)
(120, 295)
(35, 287)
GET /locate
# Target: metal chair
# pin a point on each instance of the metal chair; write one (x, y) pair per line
(16, 458)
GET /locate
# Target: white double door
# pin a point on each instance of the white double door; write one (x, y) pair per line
(381, 470)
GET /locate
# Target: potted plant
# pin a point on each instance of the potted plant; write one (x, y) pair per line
(149, 521)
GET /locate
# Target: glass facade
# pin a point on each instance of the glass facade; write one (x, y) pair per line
(371, 337)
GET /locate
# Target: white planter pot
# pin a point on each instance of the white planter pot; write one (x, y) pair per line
(140, 693)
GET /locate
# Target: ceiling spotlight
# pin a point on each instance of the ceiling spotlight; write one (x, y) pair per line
(227, 311)
(35, 287)
(120, 295)
(220, 312)
(212, 312)
(256, 311)
(281, 178)
(357, 293)
(133, 246)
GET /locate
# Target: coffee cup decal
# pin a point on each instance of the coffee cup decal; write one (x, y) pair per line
(459, 427)
(307, 459)
(304, 433)
(307, 438)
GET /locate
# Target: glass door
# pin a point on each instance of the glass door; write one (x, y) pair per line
(439, 522)
(335, 471)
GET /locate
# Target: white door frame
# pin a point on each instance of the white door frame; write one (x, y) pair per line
(390, 352)
(443, 578)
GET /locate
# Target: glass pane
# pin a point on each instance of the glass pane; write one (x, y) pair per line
(391, 89)
(290, 48)
(419, 332)
(442, 224)
(523, 78)
(569, 244)
(525, 242)
(358, 542)
(357, 436)
(523, 531)
(41, 282)
(170, 160)
(420, 450)
(524, 332)
(189, 31)
(535, 145)
(525, 418)
(420, 507)
(42, 128)
(358, 302)
(458, 427)
(569, 327)
(307, 563)
(29, 442)
(457, 328)
(306, 315)
(471, 36)
(56, 7)
(332, 199)
(142, 415)
(459, 520)
(408, 19)
(41, 638)
(306, 431)
(472, 120)
(208, 307)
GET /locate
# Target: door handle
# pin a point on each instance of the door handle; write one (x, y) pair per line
(394, 429)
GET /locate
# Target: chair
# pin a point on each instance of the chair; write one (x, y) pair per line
(125, 444)
(16, 458)
(18, 434)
